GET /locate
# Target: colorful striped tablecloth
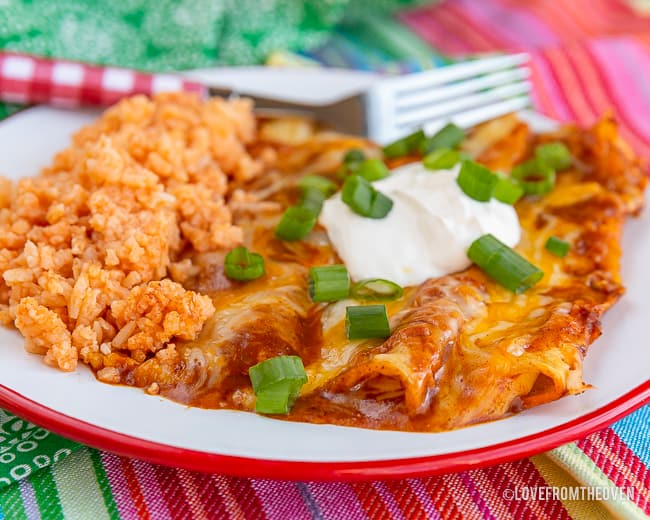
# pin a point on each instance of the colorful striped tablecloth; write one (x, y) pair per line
(588, 56)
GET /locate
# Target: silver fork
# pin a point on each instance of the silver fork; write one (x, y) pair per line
(466, 93)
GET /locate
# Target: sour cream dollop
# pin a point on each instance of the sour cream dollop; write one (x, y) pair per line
(426, 234)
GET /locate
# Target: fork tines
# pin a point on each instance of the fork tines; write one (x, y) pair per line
(467, 94)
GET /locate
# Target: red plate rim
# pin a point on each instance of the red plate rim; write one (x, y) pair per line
(126, 445)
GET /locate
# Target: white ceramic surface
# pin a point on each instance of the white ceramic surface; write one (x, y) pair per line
(617, 363)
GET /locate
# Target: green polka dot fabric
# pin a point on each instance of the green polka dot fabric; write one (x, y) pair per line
(26, 448)
(165, 35)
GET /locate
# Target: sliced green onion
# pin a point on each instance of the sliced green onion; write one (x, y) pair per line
(357, 193)
(538, 186)
(351, 161)
(276, 369)
(371, 169)
(366, 321)
(507, 190)
(276, 399)
(329, 283)
(380, 205)
(363, 199)
(450, 136)
(476, 181)
(277, 383)
(535, 176)
(296, 223)
(312, 199)
(556, 155)
(353, 156)
(503, 264)
(405, 146)
(557, 246)
(243, 265)
(441, 159)
(322, 184)
(376, 289)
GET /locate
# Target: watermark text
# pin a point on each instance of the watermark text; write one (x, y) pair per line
(545, 493)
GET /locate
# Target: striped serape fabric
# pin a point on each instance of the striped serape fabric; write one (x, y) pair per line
(609, 464)
(588, 56)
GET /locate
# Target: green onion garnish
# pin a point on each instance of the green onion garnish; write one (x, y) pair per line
(357, 193)
(296, 223)
(557, 246)
(405, 146)
(366, 321)
(376, 289)
(556, 155)
(277, 383)
(441, 159)
(322, 184)
(507, 190)
(351, 161)
(353, 156)
(371, 169)
(363, 199)
(538, 186)
(476, 181)
(315, 189)
(312, 199)
(450, 136)
(329, 283)
(243, 265)
(503, 264)
(535, 176)
(380, 205)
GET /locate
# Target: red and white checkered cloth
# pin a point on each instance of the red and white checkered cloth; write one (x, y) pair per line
(28, 79)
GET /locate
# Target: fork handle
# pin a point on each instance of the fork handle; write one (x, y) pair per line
(29, 79)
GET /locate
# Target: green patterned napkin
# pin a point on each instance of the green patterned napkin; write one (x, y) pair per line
(26, 448)
(164, 35)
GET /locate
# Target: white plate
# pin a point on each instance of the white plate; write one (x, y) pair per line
(130, 422)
